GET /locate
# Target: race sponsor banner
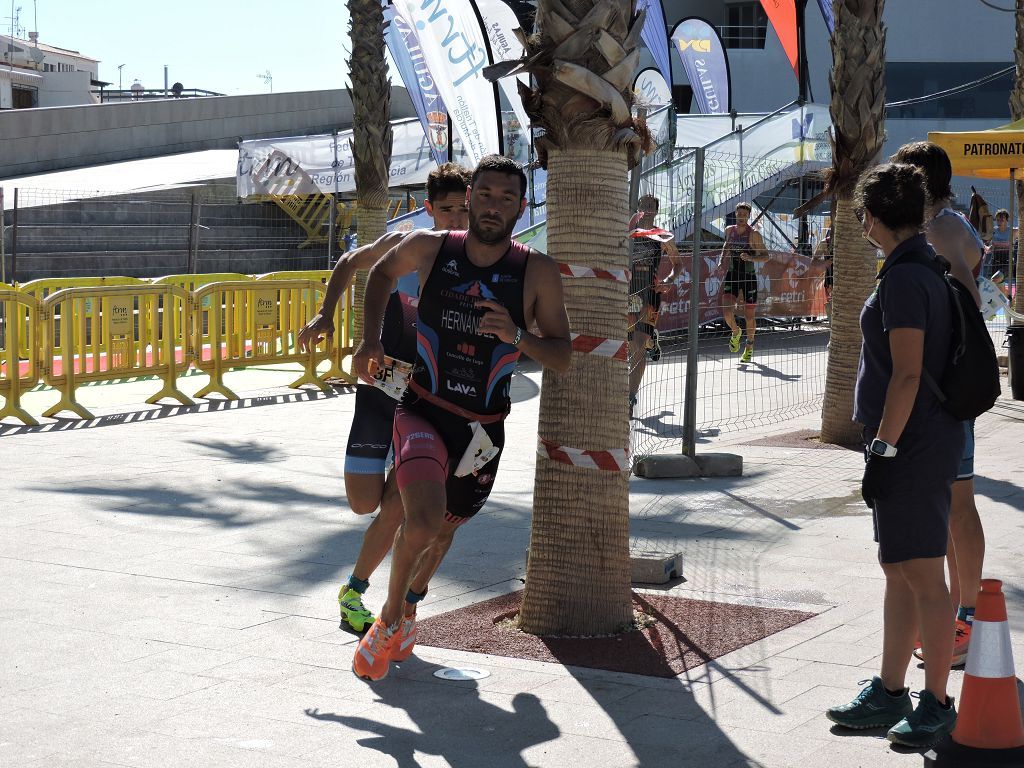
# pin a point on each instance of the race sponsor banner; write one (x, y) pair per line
(305, 165)
(404, 45)
(828, 15)
(455, 50)
(789, 285)
(653, 35)
(653, 93)
(782, 15)
(707, 68)
(499, 22)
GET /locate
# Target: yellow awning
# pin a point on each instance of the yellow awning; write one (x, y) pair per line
(988, 154)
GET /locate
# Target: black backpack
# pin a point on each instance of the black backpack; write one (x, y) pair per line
(970, 384)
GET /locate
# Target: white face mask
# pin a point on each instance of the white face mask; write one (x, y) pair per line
(867, 236)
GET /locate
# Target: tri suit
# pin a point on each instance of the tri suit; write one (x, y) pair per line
(740, 276)
(644, 300)
(461, 376)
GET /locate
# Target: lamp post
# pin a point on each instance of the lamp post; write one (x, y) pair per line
(119, 84)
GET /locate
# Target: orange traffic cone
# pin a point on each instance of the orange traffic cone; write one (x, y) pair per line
(988, 726)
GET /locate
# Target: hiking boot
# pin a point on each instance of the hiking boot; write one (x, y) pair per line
(654, 346)
(734, 342)
(928, 724)
(353, 612)
(874, 707)
(406, 639)
(748, 353)
(961, 644)
(373, 654)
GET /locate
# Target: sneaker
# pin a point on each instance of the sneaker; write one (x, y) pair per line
(961, 643)
(748, 354)
(406, 639)
(353, 612)
(874, 707)
(654, 346)
(373, 654)
(734, 342)
(926, 725)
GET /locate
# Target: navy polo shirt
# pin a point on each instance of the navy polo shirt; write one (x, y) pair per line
(914, 296)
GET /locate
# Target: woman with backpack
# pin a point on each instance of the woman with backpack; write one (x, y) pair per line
(912, 450)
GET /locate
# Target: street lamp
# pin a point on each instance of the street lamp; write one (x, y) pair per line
(119, 68)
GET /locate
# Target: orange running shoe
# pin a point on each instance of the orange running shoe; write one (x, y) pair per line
(961, 643)
(406, 639)
(373, 654)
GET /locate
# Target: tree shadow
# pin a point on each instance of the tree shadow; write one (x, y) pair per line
(485, 734)
(1003, 491)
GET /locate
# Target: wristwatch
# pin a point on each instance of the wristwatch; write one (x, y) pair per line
(882, 448)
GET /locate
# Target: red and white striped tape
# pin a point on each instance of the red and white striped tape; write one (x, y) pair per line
(596, 345)
(615, 460)
(575, 270)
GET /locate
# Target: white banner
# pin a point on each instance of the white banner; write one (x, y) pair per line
(305, 164)
(456, 53)
(654, 94)
(499, 21)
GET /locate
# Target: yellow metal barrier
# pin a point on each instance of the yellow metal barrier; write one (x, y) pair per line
(108, 333)
(251, 324)
(19, 314)
(190, 283)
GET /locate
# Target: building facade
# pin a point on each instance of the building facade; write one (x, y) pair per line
(33, 74)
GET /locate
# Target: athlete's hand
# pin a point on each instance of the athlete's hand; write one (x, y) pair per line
(663, 286)
(313, 332)
(497, 320)
(368, 357)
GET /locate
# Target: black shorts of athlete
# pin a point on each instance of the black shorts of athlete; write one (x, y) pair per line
(369, 438)
(741, 284)
(429, 442)
(911, 518)
(644, 300)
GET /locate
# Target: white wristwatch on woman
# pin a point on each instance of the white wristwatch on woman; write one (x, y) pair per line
(882, 448)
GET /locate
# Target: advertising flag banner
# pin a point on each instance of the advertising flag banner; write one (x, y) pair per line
(782, 14)
(455, 51)
(654, 36)
(404, 45)
(653, 93)
(304, 165)
(707, 68)
(499, 23)
(826, 13)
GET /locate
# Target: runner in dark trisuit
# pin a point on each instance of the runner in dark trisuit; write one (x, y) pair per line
(369, 439)
(479, 293)
(742, 249)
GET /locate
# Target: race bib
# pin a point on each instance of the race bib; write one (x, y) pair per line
(993, 300)
(392, 378)
(479, 451)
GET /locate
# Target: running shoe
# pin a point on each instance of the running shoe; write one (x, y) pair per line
(748, 354)
(874, 707)
(406, 639)
(961, 644)
(353, 612)
(734, 342)
(928, 724)
(654, 346)
(373, 654)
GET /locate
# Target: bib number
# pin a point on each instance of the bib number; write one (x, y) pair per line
(392, 378)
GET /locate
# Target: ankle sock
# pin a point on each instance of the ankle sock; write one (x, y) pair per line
(896, 694)
(414, 597)
(965, 614)
(359, 585)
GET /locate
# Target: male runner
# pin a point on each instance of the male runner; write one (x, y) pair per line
(369, 438)
(953, 238)
(479, 293)
(644, 289)
(743, 248)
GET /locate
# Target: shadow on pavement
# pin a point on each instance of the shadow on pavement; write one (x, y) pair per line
(1002, 491)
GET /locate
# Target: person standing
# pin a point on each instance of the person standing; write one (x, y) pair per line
(479, 293)
(744, 249)
(912, 449)
(1002, 244)
(369, 439)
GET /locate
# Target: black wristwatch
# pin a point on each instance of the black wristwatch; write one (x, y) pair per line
(882, 448)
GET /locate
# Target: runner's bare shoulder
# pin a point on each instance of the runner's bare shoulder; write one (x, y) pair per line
(422, 245)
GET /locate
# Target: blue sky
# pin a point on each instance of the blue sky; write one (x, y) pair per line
(219, 45)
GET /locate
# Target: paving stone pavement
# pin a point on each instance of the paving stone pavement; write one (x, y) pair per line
(170, 578)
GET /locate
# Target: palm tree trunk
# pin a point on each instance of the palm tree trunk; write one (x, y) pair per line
(855, 267)
(578, 574)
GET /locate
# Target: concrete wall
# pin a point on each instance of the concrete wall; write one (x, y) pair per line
(63, 89)
(50, 139)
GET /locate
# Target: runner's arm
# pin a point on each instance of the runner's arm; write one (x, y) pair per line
(349, 263)
(674, 259)
(757, 245)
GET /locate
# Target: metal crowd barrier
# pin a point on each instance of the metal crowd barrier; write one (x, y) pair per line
(19, 328)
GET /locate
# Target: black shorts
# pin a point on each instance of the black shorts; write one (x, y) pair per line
(430, 441)
(644, 301)
(369, 438)
(741, 283)
(1000, 263)
(911, 519)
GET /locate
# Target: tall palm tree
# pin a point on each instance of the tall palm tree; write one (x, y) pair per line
(583, 57)
(371, 130)
(857, 85)
(1017, 112)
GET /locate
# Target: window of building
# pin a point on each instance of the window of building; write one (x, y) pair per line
(24, 98)
(746, 25)
(911, 79)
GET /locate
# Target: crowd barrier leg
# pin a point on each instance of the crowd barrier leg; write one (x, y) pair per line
(67, 400)
(170, 388)
(12, 400)
(309, 375)
(216, 383)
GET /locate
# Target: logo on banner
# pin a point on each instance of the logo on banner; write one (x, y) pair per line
(700, 45)
(438, 122)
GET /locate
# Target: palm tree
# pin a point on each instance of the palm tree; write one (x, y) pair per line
(857, 85)
(1016, 113)
(583, 58)
(371, 130)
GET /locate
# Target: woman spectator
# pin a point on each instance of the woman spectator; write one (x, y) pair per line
(912, 449)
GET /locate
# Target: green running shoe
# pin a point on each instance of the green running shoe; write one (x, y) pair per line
(748, 353)
(353, 612)
(926, 725)
(873, 708)
(734, 342)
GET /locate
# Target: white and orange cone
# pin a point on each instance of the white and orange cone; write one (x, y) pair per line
(988, 729)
